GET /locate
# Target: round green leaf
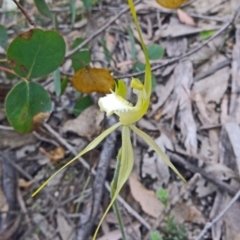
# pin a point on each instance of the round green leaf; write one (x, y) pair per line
(36, 53)
(42, 7)
(138, 67)
(82, 104)
(155, 51)
(24, 102)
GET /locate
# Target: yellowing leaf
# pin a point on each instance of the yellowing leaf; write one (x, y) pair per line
(39, 119)
(88, 80)
(171, 3)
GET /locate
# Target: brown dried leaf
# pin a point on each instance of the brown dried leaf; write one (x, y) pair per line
(55, 155)
(185, 18)
(39, 119)
(116, 234)
(146, 198)
(24, 183)
(64, 227)
(184, 213)
(12, 139)
(87, 124)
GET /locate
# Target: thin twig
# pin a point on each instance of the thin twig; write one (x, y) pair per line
(25, 212)
(213, 69)
(194, 169)
(68, 146)
(24, 12)
(221, 214)
(8, 183)
(8, 128)
(100, 30)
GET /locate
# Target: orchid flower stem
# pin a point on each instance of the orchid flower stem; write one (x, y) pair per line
(120, 222)
(113, 189)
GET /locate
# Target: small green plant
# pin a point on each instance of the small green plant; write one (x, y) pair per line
(207, 34)
(155, 235)
(173, 231)
(170, 231)
(162, 195)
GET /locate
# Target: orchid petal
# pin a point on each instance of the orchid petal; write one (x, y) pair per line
(113, 103)
(157, 149)
(126, 165)
(120, 88)
(89, 147)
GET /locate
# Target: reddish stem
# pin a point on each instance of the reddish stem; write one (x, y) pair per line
(4, 69)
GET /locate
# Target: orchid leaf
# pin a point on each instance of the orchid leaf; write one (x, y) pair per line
(89, 147)
(151, 143)
(125, 169)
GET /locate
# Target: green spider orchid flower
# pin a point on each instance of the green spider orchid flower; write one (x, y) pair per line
(115, 103)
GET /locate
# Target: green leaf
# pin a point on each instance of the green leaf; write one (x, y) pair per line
(87, 4)
(73, 12)
(42, 7)
(82, 104)
(138, 67)
(64, 83)
(36, 53)
(155, 51)
(55, 22)
(207, 34)
(81, 58)
(155, 235)
(57, 82)
(3, 36)
(162, 195)
(24, 102)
